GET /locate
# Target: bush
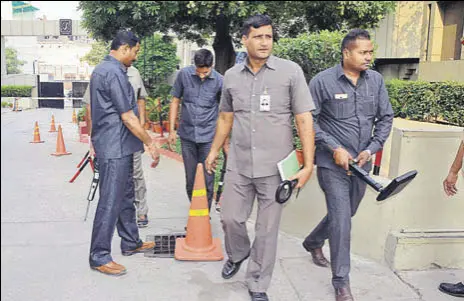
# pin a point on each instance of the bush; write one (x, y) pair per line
(16, 91)
(430, 102)
(314, 52)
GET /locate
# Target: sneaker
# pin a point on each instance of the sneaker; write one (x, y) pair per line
(142, 221)
(218, 207)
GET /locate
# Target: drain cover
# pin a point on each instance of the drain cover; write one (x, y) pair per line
(165, 245)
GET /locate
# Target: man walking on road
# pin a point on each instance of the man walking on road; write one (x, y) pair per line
(116, 135)
(199, 88)
(259, 99)
(352, 120)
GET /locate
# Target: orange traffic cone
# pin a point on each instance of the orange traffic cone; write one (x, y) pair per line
(74, 117)
(199, 245)
(36, 134)
(52, 125)
(60, 148)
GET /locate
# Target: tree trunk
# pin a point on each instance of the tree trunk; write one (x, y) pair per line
(223, 48)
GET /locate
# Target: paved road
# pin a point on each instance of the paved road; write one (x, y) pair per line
(45, 242)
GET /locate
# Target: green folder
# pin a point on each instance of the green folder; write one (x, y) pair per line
(288, 166)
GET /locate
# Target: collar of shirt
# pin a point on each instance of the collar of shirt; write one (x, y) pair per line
(270, 63)
(340, 73)
(212, 75)
(111, 59)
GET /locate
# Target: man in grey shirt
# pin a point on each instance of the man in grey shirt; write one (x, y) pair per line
(259, 99)
(139, 181)
(352, 120)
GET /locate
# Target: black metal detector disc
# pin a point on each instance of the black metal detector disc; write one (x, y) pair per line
(284, 191)
(396, 185)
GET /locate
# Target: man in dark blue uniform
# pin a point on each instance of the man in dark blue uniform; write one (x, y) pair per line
(352, 120)
(198, 88)
(116, 135)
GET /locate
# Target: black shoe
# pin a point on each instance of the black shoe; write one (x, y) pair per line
(258, 296)
(231, 268)
(456, 290)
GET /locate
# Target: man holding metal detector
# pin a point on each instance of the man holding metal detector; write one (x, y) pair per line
(259, 99)
(116, 135)
(352, 120)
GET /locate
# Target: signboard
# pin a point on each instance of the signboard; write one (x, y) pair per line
(65, 27)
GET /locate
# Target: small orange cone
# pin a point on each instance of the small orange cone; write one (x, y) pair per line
(52, 125)
(199, 245)
(74, 117)
(36, 134)
(60, 148)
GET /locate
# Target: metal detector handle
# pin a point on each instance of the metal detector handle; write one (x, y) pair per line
(94, 185)
(364, 175)
(221, 180)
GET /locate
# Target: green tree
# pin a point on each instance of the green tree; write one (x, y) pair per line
(199, 21)
(314, 52)
(157, 58)
(97, 53)
(13, 64)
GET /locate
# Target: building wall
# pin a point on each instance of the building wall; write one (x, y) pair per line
(442, 71)
(396, 34)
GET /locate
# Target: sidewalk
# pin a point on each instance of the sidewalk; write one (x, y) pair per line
(45, 242)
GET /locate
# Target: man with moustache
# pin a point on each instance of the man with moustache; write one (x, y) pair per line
(260, 96)
(116, 135)
(352, 120)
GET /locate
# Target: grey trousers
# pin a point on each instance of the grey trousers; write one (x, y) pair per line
(115, 210)
(192, 154)
(236, 206)
(140, 186)
(343, 194)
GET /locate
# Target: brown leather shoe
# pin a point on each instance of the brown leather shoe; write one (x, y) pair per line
(111, 268)
(319, 258)
(343, 294)
(146, 247)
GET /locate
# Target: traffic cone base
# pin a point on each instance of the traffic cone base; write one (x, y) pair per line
(198, 244)
(212, 253)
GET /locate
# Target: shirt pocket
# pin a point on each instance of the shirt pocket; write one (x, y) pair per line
(240, 102)
(368, 106)
(190, 93)
(207, 99)
(341, 108)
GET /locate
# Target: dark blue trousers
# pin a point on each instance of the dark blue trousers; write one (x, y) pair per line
(192, 154)
(343, 194)
(115, 210)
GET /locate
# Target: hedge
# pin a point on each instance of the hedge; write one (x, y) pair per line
(16, 91)
(430, 102)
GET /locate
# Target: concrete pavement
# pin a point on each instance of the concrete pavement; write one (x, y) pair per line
(45, 242)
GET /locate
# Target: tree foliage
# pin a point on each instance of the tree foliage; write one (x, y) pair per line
(97, 53)
(13, 64)
(200, 21)
(314, 52)
(157, 58)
